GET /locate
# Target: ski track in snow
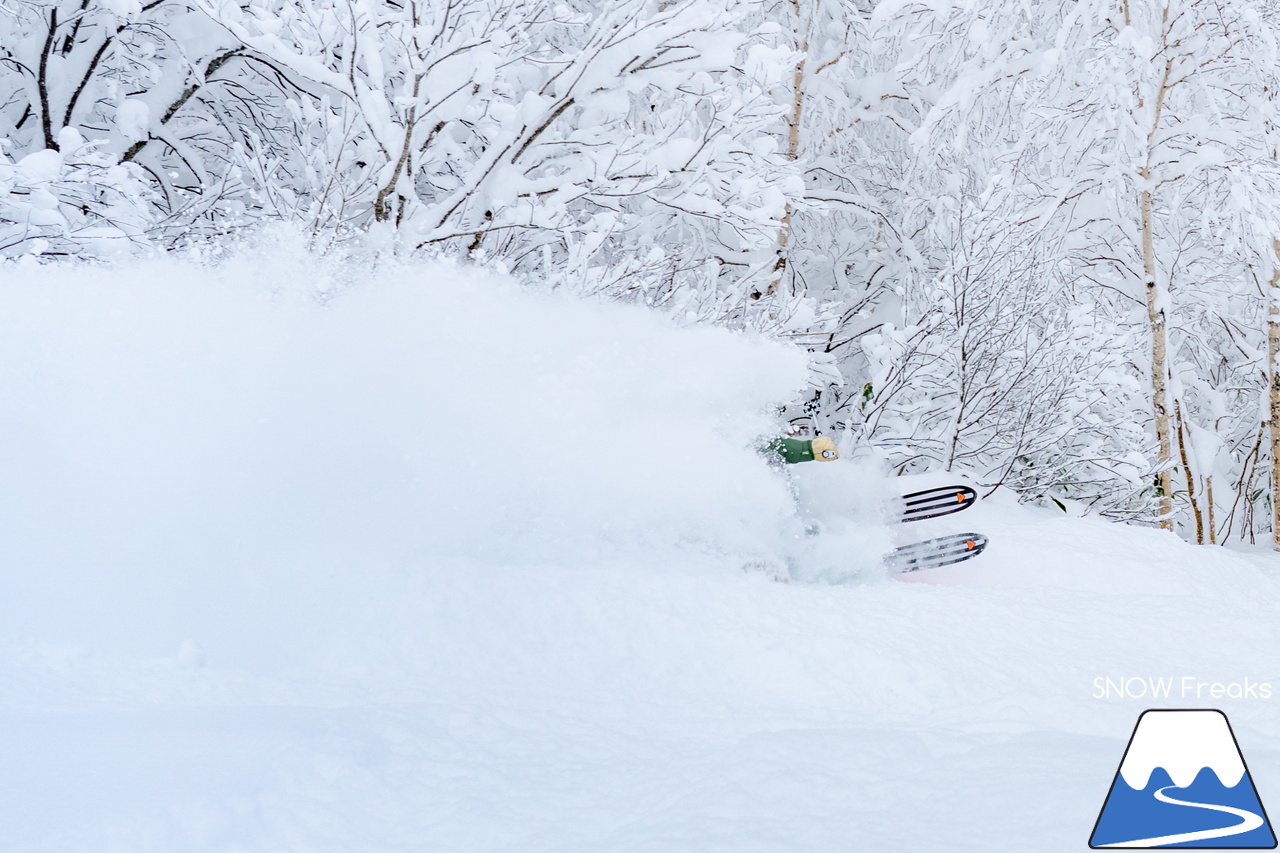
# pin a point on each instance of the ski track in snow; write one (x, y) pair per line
(265, 593)
(1248, 822)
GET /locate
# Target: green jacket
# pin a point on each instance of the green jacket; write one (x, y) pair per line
(793, 450)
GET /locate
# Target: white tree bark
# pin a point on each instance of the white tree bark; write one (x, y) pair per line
(1273, 376)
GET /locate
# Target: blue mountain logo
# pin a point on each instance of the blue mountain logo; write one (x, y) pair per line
(1183, 783)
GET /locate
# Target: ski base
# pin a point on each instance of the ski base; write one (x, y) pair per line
(933, 503)
(933, 553)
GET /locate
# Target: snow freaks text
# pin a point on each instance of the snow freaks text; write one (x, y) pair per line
(1184, 687)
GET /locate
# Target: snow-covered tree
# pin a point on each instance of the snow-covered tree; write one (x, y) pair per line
(154, 88)
(624, 148)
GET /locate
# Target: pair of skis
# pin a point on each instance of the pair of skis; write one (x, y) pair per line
(943, 551)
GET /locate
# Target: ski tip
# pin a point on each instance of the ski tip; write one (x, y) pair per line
(933, 503)
(936, 553)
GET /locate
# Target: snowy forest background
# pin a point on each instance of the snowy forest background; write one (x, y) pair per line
(1035, 241)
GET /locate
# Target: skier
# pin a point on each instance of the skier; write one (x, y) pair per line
(793, 450)
(917, 506)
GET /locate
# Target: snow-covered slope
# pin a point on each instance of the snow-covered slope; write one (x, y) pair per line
(444, 566)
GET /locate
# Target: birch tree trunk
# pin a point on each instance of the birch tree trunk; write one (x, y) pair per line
(1184, 433)
(801, 44)
(1156, 300)
(1273, 348)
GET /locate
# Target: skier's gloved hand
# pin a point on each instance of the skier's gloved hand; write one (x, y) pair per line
(824, 449)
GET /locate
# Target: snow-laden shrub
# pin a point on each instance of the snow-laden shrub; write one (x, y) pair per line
(75, 201)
